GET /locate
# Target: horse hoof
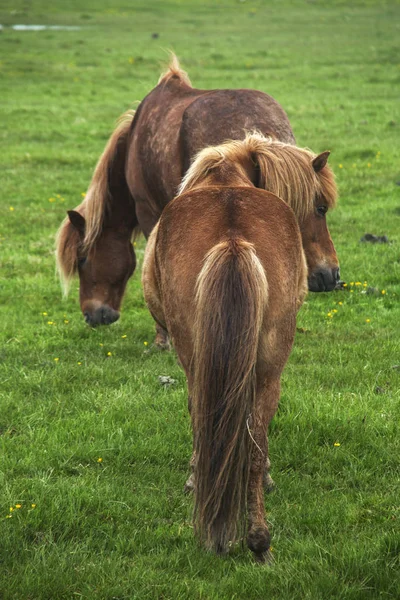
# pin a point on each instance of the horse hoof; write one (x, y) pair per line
(258, 540)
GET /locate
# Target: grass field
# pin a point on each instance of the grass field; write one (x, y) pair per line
(93, 450)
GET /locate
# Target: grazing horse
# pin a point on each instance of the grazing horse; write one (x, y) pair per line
(139, 173)
(225, 273)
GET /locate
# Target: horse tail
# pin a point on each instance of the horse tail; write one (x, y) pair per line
(232, 293)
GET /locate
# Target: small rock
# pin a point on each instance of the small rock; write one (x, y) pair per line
(375, 239)
(166, 380)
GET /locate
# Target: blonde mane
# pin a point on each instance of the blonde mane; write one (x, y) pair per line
(174, 70)
(93, 208)
(284, 170)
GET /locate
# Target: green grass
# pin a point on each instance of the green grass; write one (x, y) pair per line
(121, 528)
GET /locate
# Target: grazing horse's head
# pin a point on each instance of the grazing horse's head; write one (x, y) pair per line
(104, 266)
(299, 177)
(305, 182)
(322, 261)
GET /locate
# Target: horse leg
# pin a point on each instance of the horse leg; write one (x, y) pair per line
(258, 536)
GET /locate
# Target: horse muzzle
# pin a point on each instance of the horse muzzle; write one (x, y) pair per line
(323, 280)
(103, 315)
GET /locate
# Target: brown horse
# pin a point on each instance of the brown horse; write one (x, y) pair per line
(139, 173)
(225, 273)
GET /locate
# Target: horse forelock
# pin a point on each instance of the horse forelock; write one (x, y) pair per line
(285, 170)
(174, 70)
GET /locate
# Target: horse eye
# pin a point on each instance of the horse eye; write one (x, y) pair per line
(322, 210)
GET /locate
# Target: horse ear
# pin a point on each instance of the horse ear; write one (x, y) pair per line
(320, 161)
(77, 221)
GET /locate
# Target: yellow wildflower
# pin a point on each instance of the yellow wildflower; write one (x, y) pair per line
(50, 322)
(146, 343)
(329, 314)
(383, 292)
(101, 345)
(336, 444)
(83, 194)
(335, 310)
(79, 363)
(369, 165)
(340, 166)
(358, 282)
(66, 321)
(11, 208)
(33, 505)
(340, 303)
(368, 320)
(52, 199)
(109, 353)
(18, 505)
(56, 359)
(8, 516)
(351, 282)
(99, 460)
(44, 314)
(123, 336)
(345, 285)
(11, 508)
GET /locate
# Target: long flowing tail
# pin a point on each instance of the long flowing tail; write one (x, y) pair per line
(232, 294)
